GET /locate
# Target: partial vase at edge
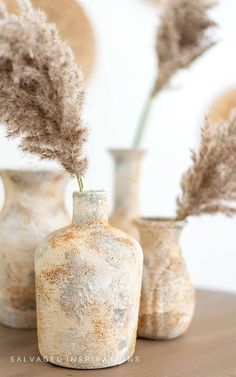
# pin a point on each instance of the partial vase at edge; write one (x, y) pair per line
(126, 189)
(33, 208)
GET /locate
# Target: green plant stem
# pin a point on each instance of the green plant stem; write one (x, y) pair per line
(143, 121)
(80, 182)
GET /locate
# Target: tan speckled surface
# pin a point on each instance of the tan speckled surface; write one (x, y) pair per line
(88, 283)
(34, 207)
(168, 298)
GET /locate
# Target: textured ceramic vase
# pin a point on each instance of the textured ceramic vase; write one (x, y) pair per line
(126, 189)
(168, 297)
(34, 207)
(88, 283)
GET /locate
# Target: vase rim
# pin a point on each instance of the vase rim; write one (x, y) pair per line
(89, 208)
(90, 193)
(32, 171)
(127, 151)
(160, 221)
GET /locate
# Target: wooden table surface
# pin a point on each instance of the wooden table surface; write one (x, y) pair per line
(208, 349)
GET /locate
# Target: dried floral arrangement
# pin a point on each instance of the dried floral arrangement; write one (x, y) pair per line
(209, 186)
(184, 34)
(41, 89)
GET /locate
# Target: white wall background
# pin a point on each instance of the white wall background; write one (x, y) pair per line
(126, 65)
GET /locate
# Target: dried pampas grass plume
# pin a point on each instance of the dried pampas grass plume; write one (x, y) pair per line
(41, 91)
(184, 34)
(182, 37)
(209, 186)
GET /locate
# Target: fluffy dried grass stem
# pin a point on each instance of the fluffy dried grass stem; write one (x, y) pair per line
(209, 186)
(182, 37)
(80, 182)
(143, 121)
(41, 89)
(25, 5)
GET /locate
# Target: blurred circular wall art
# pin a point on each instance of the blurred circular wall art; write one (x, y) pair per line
(74, 26)
(223, 106)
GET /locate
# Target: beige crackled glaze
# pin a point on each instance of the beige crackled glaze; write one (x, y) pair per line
(34, 207)
(168, 297)
(88, 283)
(126, 187)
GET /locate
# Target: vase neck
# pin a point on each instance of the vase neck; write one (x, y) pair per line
(160, 237)
(27, 187)
(90, 208)
(127, 180)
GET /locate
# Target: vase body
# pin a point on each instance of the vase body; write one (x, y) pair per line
(88, 283)
(126, 189)
(34, 207)
(168, 297)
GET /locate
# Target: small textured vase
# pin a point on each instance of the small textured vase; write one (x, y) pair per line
(34, 207)
(88, 284)
(168, 297)
(126, 189)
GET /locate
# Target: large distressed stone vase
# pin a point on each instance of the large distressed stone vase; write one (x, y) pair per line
(88, 284)
(34, 207)
(168, 297)
(126, 189)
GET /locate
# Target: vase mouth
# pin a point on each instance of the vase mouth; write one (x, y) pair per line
(90, 207)
(27, 171)
(127, 152)
(94, 193)
(34, 180)
(161, 221)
